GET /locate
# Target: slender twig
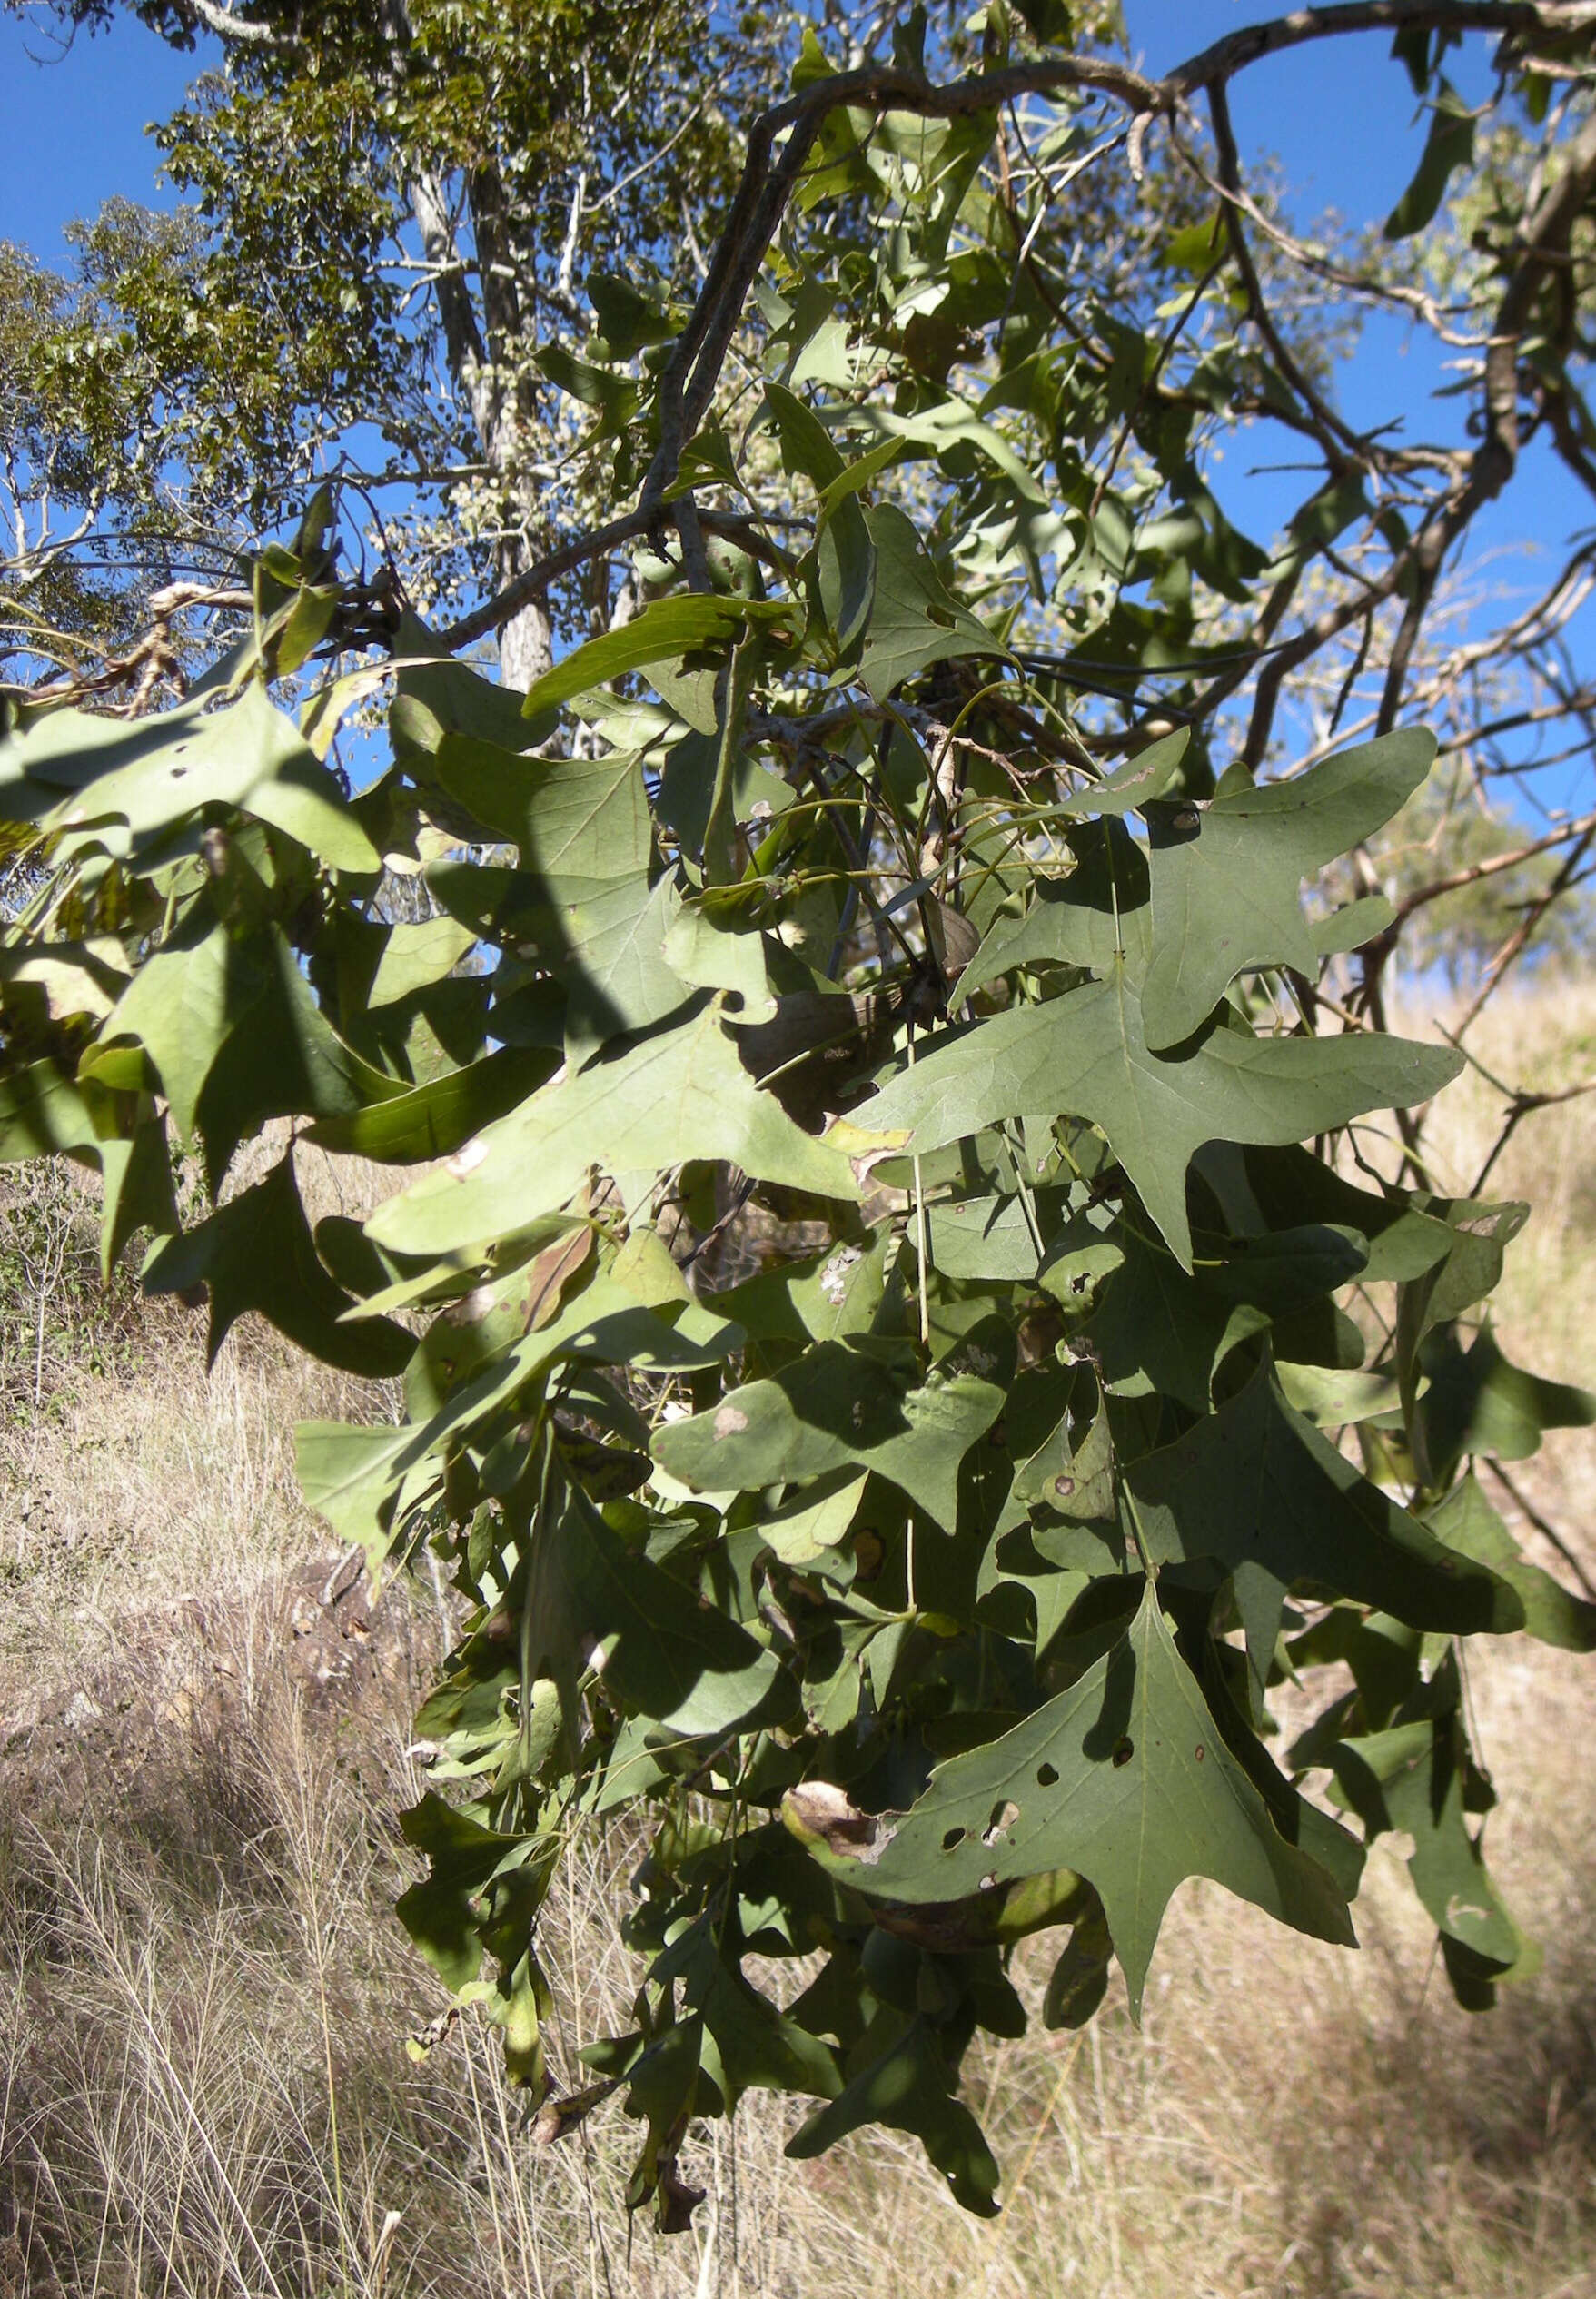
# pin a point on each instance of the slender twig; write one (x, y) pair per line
(1547, 1531)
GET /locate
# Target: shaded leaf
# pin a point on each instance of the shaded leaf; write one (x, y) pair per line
(432, 1120)
(257, 1253)
(663, 1650)
(1412, 1778)
(235, 1033)
(1299, 1513)
(1449, 145)
(148, 775)
(915, 620)
(1476, 1402)
(663, 632)
(909, 2088)
(837, 1407)
(1466, 1521)
(1124, 1778)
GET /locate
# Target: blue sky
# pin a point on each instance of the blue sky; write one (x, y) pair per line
(1340, 113)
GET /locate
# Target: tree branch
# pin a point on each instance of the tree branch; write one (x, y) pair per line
(227, 27)
(1237, 50)
(781, 139)
(1492, 868)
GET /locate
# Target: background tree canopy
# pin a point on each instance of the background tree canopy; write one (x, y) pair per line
(920, 1301)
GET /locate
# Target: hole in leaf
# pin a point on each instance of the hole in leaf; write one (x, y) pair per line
(1046, 1776)
(954, 1837)
(1003, 1817)
(1123, 1750)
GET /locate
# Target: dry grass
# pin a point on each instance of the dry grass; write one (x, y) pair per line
(203, 1999)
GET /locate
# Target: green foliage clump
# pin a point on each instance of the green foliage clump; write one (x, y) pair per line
(918, 1306)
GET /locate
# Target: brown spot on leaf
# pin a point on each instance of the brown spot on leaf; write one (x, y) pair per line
(816, 1812)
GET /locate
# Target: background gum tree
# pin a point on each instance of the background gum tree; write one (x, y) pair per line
(919, 1302)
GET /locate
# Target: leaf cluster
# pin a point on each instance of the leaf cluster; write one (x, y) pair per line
(915, 1312)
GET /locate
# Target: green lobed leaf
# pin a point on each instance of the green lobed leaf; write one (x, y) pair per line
(1097, 918)
(915, 619)
(1449, 145)
(257, 1253)
(679, 1095)
(1124, 1778)
(1476, 1401)
(1412, 1776)
(909, 2088)
(1085, 1054)
(43, 1114)
(664, 1651)
(236, 1035)
(1151, 774)
(1158, 1329)
(145, 776)
(1226, 876)
(837, 1407)
(1466, 1521)
(432, 1120)
(1301, 1516)
(663, 632)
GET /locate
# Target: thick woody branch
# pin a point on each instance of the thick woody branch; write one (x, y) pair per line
(1336, 437)
(1545, 239)
(1237, 50)
(597, 544)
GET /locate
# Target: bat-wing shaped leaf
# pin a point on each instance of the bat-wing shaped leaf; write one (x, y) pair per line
(665, 631)
(585, 839)
(834, 1408)
(1300, 1508)
(257, 1252)
(1126, 1779)
(1151, 774)
(1467, 1523)
(683, 1664)
(44, 1112)
(432, 1120)
(680, 1095)
(915, 619)
(149, 774)
(908, 2087)
(1158, 1328)
(1412, 1778)
(237, 1036)
(1085, 1054)
(1092, 917)
(1227, 876)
